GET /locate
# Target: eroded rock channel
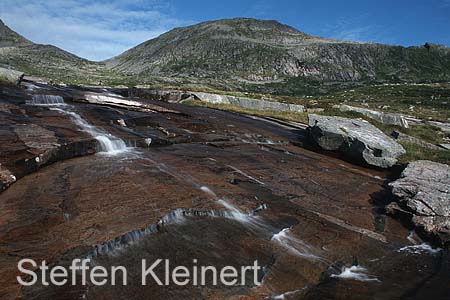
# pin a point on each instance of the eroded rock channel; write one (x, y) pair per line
(134, 179)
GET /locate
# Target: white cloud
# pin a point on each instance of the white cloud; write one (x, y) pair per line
(91, 29)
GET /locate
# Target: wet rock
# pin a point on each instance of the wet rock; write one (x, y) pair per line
(41, 141)
(424, 190)
(12, 76)
(385, 118)
(355, 138)
(119, 102)
(6, 178)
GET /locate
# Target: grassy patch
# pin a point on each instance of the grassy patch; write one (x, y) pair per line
(416, 152)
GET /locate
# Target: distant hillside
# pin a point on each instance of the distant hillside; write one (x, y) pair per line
(237, 54)
(43, 60)
(245, 52)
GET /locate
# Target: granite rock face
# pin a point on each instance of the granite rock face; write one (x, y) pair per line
(12, 76)
(355, 138)
(424, 190)
(385, 118)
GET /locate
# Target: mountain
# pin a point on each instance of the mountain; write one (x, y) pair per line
(43, 60)
(236, 54)
(245, 52)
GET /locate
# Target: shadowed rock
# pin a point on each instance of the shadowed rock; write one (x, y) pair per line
(355, 138)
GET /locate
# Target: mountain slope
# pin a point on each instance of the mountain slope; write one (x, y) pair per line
(247, 51)
(43, 60)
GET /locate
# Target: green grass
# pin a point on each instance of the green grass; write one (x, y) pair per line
(416, 152)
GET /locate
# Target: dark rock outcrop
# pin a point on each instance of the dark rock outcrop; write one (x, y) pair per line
(424, 190)
(355, 138)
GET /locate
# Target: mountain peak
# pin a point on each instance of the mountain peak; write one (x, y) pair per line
(246, 28)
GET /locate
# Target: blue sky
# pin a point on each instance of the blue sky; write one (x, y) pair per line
(99, 29)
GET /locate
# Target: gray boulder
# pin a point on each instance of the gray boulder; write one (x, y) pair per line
(355, 138)
(11, 76)
(424, 190)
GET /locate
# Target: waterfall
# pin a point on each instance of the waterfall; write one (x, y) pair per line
(108, 143)
(46, 100)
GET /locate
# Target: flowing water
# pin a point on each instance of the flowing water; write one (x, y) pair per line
(46, 100)
(108, 143)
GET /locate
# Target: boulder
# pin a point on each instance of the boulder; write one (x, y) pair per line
(11, 76)
(424, 191)
(384, 118)
(357, 139)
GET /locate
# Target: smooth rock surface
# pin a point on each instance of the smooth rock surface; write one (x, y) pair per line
(355, 138)
(424, 190)
(226, 189)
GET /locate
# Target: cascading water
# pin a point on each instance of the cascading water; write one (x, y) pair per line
(107, 142)
(46, 100)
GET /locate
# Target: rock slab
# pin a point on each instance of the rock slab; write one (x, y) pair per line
(12, 76)
(424, 190)
(355, 138)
